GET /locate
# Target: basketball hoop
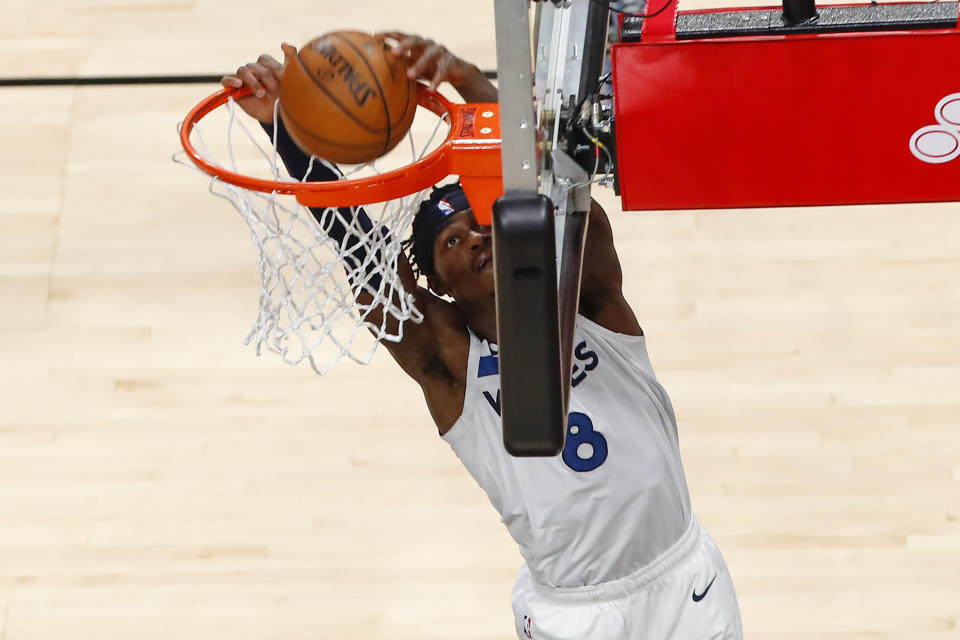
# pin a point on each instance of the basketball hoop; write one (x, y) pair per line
(310, 285)
(471, 150)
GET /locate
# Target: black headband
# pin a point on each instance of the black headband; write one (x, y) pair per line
(430, 219)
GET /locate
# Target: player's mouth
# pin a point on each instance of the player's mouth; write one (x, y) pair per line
(483, 261)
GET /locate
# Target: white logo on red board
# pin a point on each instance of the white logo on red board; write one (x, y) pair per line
(939, 143)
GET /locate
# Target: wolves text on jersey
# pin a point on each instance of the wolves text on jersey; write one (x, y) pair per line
(585, 361)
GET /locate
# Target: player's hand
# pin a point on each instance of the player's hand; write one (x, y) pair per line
(263, 79)
(429, 60)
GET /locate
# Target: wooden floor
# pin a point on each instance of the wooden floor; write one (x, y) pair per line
(158, 480)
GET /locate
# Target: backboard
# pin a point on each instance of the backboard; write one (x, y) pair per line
(846, 104)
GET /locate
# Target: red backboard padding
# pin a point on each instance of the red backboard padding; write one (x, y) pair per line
(788, 120)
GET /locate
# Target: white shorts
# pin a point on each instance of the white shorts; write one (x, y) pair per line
(686, 593)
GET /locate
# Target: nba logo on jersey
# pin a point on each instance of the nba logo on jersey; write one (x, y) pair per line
(528, 626)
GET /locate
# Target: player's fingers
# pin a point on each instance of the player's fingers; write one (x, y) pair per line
(426, 64)
(270, 82)
(249, 78)
(268, 73)
(411, 47)
(270, 62)
(289, 52)
(389, 41)
(443, 68)
(396, 36)
(231, 82)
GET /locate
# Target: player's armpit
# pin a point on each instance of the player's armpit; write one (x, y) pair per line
(435, 349)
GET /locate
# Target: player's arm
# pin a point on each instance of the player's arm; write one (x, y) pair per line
(347, 225)
(601, 284)
(433, 62)
(419, 353)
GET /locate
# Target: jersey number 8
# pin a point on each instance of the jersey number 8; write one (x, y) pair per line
(585, 449)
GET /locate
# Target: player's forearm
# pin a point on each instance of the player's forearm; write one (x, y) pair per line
(347, 226)
(474, 86)
(294, 159)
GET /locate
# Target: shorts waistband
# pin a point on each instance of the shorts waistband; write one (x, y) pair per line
(622, 587)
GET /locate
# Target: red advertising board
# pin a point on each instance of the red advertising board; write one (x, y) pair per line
(811, 119)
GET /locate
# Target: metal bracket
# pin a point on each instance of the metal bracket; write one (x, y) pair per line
(515, 88)
(574, 183)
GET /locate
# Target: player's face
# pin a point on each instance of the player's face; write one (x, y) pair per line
(463, 258)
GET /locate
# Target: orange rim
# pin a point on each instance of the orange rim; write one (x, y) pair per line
(470, 150)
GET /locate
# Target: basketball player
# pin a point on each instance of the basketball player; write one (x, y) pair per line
(612, 548)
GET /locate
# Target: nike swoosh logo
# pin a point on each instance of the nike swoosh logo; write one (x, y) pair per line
(698, 598)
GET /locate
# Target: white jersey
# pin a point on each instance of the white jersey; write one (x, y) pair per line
(616, 497)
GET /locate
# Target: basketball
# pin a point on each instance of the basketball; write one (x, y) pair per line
(346, 99)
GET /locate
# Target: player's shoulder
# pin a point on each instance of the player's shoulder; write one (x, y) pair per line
(611, 312)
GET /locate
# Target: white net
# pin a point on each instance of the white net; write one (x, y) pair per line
(320, 299)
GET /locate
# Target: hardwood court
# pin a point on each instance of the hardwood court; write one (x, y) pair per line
(158, 480)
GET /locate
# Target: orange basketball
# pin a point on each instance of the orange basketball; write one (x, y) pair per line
(345, 98)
